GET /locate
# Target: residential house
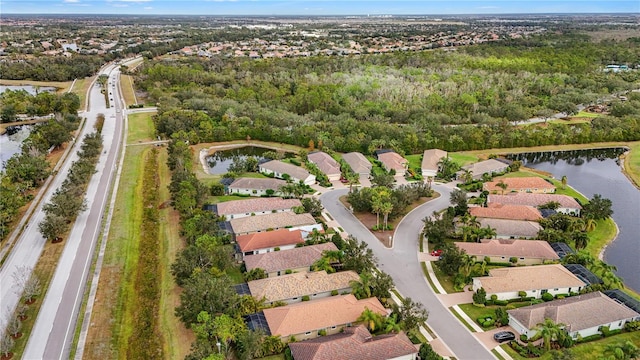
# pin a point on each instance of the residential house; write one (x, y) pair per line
(582, 315)
(236, 209)
(527, 252)
(532, 184)
(430, 162)
(326, 164)
(391, 160)
(255, 187)
(491, 167)
(281, 220)
(507, 212)
(293, 287)
(305, 319)
(512, 229)
(266, 242)
(282, 170)
(355, 343)
(507, 282)
(298, 259)
(568, 205)
(359, 164)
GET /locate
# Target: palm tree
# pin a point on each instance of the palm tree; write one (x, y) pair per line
(386, 209)
(590, 225)
(324, 263)
(352, 178)
(362, 288)
(564, 181)
(376, 206)
(549, 331)
(580, 240)
(581, 257)
(624, 351)
(372, 319)
(502, 185)
(392, 324)
(467, 265)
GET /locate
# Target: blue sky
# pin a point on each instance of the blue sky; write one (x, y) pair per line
(315, 7)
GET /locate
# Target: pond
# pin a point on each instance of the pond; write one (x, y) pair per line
(597, 171)
(11, 142)
(28, 88)
(218, 163)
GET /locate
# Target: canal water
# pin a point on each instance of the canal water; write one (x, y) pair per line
(598, 171)
(28, 88)
(10, 144)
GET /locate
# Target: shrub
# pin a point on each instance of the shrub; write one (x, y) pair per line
(305, 298)
(513, 260)
(524, 338)
(288, 271)
(632, 326)
(494, 297)
(547, 297)
(276, 248)
(480, 297)
(322, 332)
(522, 294)
(334, 292)
(501, 302)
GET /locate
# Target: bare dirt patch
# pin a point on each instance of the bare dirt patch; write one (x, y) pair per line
(369, 220)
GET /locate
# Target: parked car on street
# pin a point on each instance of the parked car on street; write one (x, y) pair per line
(503, 336)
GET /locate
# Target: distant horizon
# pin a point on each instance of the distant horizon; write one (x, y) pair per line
(318, 7)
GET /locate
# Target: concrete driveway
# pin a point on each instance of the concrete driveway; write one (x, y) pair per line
(486, 337)
(401, 262)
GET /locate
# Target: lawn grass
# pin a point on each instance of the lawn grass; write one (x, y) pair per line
(415, 161)
(178, 338)
(604, 232)
(463, 158)
(235, 274)
(475, 312)
(445, 281)
(591, 350)
(126, 85)
(109, 324)
(632, 163)
(572, 121)
(61, 85)
(81, 88)
(586, 114)
(141, 128)
(223, 198)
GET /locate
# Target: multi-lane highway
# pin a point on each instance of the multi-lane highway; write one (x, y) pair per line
(54, 328)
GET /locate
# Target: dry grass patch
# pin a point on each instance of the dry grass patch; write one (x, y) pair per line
(61, 85)
(126, 85)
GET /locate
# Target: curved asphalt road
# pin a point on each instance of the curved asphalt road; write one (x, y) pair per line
(401, 262)
(54, 328)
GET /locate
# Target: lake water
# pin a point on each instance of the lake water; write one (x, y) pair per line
(219, 162)
(28, 88)
(10, 144)
(598, 172)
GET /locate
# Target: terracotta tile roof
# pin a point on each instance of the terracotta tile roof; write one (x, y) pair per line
(325, 163)
(431, 157)
(393, 160)
(573, 311)
(506, 211)
(319, 314)
(358, 162)
(519, 184)
(256, 205)
(258, 184)
(285, 168)
(522, 278)
(517, 228)
(269, 239)
(537, 249)
(288, 259)
(534, 200)
(299, 284)
(354, 343)
(270, 221)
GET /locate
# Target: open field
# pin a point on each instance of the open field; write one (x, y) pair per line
(126, 84)
(80, 88)
(141, 128)
(61, 85)
(178, 339)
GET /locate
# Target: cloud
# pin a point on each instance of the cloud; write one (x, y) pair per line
(488, 7)
(133, 1)
(148, 7)
(71, 1)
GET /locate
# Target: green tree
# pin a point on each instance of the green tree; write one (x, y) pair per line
(598, 208)
(255, 274)
(459, 199)
(206, 292)
(411, 314)
(564, 181)
(549, 331)
(371, 319)
(361, 289)
(580, 239)
(426, 352)
(53, 226)
(480, 296)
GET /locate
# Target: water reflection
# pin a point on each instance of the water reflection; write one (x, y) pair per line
(220, 161)
(597, 171)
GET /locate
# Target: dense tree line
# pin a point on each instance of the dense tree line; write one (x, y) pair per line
(404, 101)
(58, 68)
(68, 200)
(43, 103)
(27, 170)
